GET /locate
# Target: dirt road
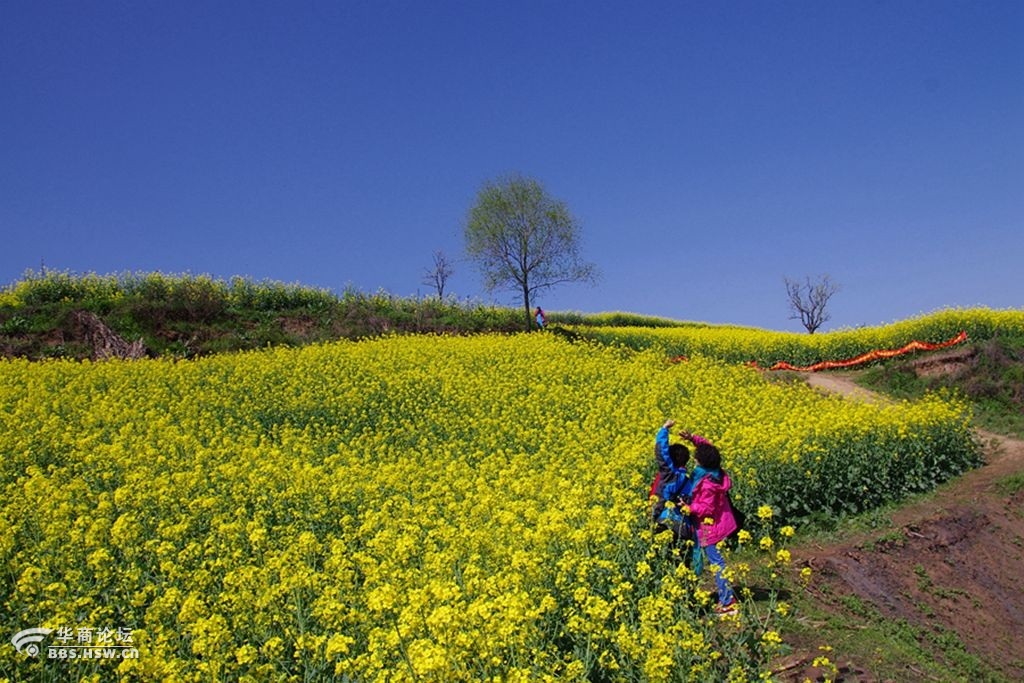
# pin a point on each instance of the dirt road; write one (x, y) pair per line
(950, 564)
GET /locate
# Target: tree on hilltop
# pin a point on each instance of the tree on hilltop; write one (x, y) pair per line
(808, 300)
(437, 277)
(524, 240)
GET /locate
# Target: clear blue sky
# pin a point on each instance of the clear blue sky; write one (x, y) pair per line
(708, 149)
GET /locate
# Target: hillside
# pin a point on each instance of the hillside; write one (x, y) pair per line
(920, 590)
(931, 590)
(62, 315)
(52, 314)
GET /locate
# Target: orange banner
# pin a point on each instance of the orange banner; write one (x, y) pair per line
(869, 356)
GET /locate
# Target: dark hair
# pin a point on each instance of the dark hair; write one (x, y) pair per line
(680, 454)
(708, 456)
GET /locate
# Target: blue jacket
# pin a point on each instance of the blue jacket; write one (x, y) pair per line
(673, 482)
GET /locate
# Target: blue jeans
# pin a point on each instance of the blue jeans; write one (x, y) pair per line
(725, 595)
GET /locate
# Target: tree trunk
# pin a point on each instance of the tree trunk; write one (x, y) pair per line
(526, 307)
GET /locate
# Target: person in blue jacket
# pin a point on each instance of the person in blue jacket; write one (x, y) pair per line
(672, 483)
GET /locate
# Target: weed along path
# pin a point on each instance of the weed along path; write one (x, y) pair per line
(950, 568)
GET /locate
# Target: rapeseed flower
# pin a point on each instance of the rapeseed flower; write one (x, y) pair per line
(465, 508)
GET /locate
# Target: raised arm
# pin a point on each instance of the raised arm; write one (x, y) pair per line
(695, 439)
(661, 443)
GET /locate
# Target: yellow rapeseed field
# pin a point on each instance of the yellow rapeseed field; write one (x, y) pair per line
(413, 508)
(766, 347)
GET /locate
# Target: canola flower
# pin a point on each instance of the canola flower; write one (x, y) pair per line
(766, 347)
(407, 508)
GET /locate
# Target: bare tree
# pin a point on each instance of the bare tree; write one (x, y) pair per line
(808, 300)
(437, 277)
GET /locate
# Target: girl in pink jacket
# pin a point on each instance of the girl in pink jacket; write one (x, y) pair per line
(713, 517)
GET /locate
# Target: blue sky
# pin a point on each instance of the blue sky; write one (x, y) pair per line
(708, 149)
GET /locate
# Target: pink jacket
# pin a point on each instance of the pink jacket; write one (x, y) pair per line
(710, 508)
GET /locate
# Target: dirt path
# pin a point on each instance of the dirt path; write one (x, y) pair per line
(950, 564)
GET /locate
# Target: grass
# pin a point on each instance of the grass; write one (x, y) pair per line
(859, 635)
(1011, 485)
(195, 315)
(892, 649)
(991, 377)
(186, 316)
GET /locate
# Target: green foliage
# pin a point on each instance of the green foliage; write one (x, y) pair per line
(16, 324)
(193, 315)
(990, 375)
(276, 296)
(187, 315)
(615, 319)
(855, 472)
(1012, 485)
(524, 240)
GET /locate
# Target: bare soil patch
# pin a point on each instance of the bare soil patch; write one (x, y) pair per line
(946, 363)
(951, 565)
